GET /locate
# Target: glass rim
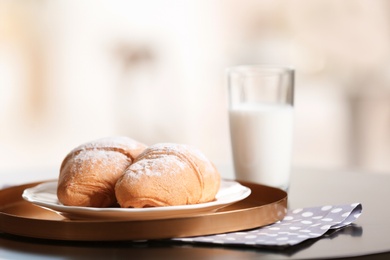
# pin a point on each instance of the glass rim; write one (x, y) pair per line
(259, 68)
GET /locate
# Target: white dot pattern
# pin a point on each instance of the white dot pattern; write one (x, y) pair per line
(297, 226)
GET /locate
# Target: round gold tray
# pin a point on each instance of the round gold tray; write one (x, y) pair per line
(265, 205)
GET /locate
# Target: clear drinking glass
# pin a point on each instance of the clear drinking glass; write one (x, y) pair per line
(261, 100)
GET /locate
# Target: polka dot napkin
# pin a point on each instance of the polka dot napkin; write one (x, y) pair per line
(297, 226)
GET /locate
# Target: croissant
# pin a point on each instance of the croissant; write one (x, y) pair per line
(168, 175)
(88, 174)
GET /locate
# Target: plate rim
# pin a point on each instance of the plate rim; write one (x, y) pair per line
(135, 213)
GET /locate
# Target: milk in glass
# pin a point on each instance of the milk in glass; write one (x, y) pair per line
(261, 136)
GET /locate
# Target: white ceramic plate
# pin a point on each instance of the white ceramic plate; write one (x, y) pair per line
(45, 195)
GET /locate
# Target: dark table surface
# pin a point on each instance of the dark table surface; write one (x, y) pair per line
(367, 238)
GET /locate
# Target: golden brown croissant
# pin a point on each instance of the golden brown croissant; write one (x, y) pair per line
(168, 175)
(88, 174)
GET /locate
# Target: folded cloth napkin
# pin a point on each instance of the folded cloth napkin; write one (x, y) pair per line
(297, 226)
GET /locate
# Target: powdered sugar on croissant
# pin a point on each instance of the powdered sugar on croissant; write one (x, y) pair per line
(167, 175)
(89, 172)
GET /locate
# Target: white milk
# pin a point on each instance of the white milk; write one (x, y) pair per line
(261, 136)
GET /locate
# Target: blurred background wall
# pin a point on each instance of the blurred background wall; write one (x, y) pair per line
(73, 71)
